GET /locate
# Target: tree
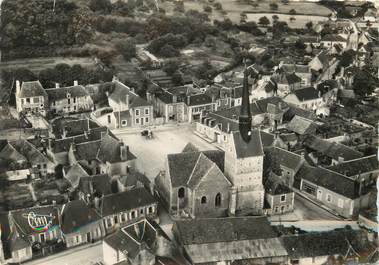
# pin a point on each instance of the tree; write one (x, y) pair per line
(208, 9)
(171, 66)
(127, 48)
(292, 12)
(243, 17)
(363, 83)
(168, 51)
(264, 21)
(179, 6)
(218, 6)
(347, 58)
(309, 25)
(274, 6)
(177, 78)
(292, 19)
(275, 18)
(103, 6)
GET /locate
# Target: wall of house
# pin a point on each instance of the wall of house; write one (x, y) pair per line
(209, 188)
(114, 221)
(197, 110)
(50, 235)
(22, 255)
(163, 187)
(120, 168)
(142, 116)
(72, 104)
(96, 230)
(35, 104)
(278, 206)
(112, 256)
(104, 120)
(144, 257)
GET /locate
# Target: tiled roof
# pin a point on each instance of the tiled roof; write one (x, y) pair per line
(276, 186)
(301, 125)
(285, 158)
(125, 201)
(212, 230)
(333, 37)
(74, 173)
(357, 166)
(330, 180)
(98, 185)
(76, 214)
(306, 93)
(120, 93)
(289, 79)
(252, 148)
(62, 92)
(190, 148)
(29, 151)
(321, 244)
(331, 149)
(32, 89)
(294, 110)
(72, 127)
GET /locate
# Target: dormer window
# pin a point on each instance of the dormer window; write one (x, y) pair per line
(68, 95)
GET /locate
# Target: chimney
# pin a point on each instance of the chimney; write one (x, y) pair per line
(319, 94)
(76, 83)
(56, 85)
(341, 159)
(174, 98)
(18, 87)
(123, 151)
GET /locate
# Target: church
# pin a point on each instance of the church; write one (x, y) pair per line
(216, 183)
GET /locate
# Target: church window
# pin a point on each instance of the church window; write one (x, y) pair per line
(181, 192)
(218, 200)
(203, 200)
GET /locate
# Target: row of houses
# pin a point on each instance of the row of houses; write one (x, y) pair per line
(36, 231)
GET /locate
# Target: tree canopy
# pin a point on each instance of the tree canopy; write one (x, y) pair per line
(363, 83)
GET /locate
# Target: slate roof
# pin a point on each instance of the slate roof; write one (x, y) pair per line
(330, 180)
(212, 230)
(18, 242)
(270, 86)
(296, 68)
(268, 139)
(294, 110)
(190, 148)
(76, 214)
(331, 149)
(252, 148)
(357, 166)
(301, 125)
(20, 217)
(56, 94)
(125, 201)
(32, 89)
(225, 124)
(10, 153)
(306, 93)
(319, 244)
(181, 165)
(199, 99)
(72, 127)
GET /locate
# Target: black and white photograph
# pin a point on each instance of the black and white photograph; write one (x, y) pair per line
(189, 132)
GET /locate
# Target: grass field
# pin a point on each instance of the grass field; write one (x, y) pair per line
(235, 8)
(37, 64)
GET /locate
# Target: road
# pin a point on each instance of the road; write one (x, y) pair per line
(83, 255)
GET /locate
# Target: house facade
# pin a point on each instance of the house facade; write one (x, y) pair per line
(72, 99)
(31, 98)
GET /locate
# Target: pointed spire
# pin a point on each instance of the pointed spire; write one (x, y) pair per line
(245, 114)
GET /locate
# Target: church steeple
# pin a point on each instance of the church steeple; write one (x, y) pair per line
(245, 114)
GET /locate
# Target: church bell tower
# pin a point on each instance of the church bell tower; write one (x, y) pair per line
(245, 114)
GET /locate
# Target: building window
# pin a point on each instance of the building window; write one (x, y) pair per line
(328, 197)
(123, 218)
(181, 192)
(276, 209)
(146, 119)
(109, 222)
(147, 111)
(22, 101)
(35, 100)
(133, 214)
(68, 101)
(151, 209)
(115, 218)
(141, 211)
(109, 118)
(74, 100)
(203, 200)
(124, 123)
(340, 203)
(218, 200)
(137, 112)
(137, 121)
(42, 237)
(77, 239)
(283, 198)
(27, 100)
